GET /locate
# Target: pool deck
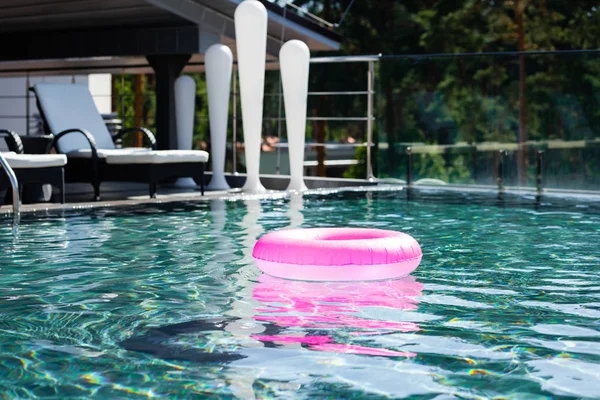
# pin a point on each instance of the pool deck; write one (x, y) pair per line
(119, 194)
(122, 194)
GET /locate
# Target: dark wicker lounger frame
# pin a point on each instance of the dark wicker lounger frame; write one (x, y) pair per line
(45, 175)
(95, 170)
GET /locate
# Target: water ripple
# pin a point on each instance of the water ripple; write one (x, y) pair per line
(166, 302)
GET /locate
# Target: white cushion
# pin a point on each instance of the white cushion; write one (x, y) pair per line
(70, 106)
(35, 160)
(156, 157)
(102, 153)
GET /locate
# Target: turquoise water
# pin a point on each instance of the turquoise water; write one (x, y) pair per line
(167, 302)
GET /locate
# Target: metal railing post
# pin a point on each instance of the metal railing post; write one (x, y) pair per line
(500, 178)
(234, 124)
(370, 78)
(16, 198)
(539, 168)
(408, 166)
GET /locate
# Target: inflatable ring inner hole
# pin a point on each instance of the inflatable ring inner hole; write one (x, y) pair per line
(352, 235)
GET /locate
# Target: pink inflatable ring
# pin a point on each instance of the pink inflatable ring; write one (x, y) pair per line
(337, 254)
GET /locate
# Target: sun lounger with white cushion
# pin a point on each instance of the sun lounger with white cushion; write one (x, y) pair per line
(32, 168)
(70, 114)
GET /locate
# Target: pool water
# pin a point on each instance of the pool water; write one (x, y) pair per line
(167, 302)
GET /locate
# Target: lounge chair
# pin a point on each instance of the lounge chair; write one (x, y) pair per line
(70, 114)
(31, 168)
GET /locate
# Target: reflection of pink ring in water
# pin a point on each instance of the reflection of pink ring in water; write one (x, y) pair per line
(329, 306)
(322, 343)
(337, 254)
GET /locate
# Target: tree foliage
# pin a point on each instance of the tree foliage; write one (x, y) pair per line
(475, 98)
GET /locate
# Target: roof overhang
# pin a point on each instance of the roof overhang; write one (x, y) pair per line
(217, 16)
(66, 36)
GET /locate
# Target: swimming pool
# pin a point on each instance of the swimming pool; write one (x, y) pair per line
(166, 301)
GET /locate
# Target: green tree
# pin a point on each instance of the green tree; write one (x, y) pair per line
(473, 99)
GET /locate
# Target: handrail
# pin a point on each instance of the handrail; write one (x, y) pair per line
(345, 59)
(419, 147)
(322, 119)
(336, 92)
(326, 145)
(15, 187)
(425, 56)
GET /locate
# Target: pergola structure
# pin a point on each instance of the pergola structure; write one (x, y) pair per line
(161, 36)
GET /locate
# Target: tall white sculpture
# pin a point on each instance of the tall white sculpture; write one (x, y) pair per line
(218, 61)
(251, 42)
(185, 99)
(294, 59)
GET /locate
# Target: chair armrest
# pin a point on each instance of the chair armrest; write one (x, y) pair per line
(88, 136)
(146, 132)
(12, 140)
(83, 132)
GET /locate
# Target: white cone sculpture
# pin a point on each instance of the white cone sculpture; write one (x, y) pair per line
(251, 43)
(218, 61)
(185, 97)
(294, 58)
